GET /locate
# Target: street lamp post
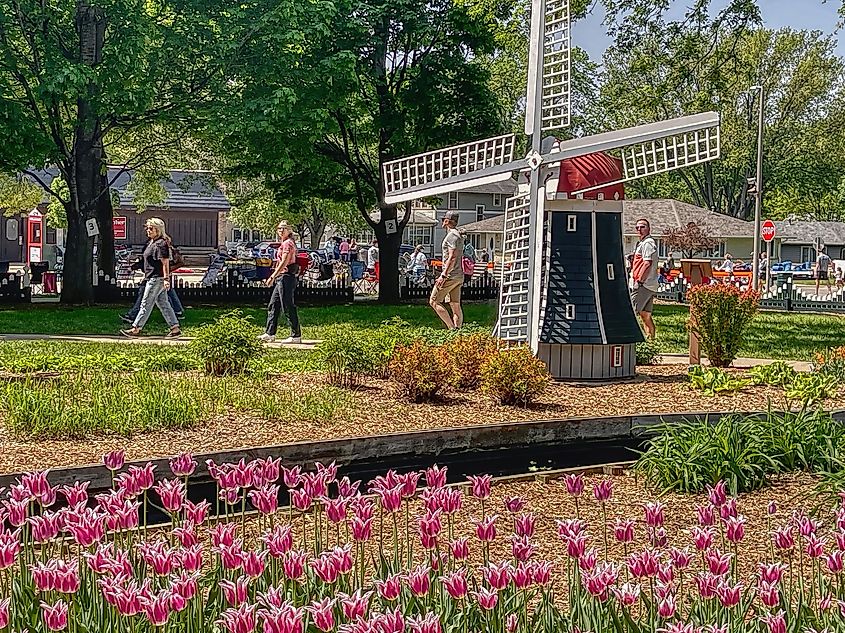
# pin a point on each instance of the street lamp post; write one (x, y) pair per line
(758, 193)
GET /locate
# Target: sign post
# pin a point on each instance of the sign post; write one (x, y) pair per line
(767, 232)
(119, 223)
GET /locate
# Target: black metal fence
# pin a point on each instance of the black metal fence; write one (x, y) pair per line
(482, 287)
(232, 288)
(783, 294)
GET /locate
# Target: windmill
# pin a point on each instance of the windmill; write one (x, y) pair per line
(562, 241)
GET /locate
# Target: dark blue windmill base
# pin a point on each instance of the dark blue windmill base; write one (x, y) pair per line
(589, 329)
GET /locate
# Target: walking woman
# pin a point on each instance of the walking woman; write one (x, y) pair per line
(156, 261)
(283, 281)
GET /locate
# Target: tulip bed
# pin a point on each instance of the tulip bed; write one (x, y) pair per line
(406, 552)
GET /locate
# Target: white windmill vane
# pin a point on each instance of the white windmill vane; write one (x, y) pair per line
(539, 303)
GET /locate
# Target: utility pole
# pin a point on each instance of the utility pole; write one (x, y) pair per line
(758, 194)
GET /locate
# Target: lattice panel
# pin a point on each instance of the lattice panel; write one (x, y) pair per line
(556, 66)
(440, 165)
(514, 306)
(671, 152)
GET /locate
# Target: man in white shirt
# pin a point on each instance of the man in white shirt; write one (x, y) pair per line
(372, 256)
(448, 284)
(643, 281)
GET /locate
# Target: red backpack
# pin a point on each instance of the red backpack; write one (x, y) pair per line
(302, 261)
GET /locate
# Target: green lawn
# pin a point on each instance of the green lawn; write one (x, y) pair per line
(772, 334)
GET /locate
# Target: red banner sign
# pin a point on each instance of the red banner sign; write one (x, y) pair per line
(119, 223)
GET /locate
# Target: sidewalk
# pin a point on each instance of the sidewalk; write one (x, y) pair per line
(155, 340)
(739, 363)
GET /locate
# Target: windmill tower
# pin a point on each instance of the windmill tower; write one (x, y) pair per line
(564, 281)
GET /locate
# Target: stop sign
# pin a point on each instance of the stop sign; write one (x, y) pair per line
(768, 231)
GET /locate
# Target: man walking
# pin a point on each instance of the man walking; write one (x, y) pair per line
(448, 285)
(643, 282)
(822, 272)
(283, 280)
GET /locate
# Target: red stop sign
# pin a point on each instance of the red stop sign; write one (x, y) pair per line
(768, 231)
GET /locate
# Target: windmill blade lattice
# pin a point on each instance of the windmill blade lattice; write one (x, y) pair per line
(556, 66)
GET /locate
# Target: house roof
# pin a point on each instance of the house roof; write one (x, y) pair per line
(663, 214)
(505, 187)
(185, 189)
(805, 232)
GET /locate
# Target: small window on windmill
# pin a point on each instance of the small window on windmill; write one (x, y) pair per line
(611, 272)
(616, 360)
(571, 223)
(570, 311)
(600, 196)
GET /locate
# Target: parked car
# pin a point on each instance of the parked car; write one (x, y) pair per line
(798, 271)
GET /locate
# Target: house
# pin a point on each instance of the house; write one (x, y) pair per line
(797, 241)
(733, 235)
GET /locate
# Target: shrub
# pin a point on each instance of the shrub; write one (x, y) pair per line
(811, 388)
(514, 376)
(378, 345)
(831, 362)
(712, 380)
(719, 316)
(341, 357)
(466, 355)
(418, 371)
(778, 374)
(228, 345)
(648, 352)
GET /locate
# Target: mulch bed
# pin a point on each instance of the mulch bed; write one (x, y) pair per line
(658, 389)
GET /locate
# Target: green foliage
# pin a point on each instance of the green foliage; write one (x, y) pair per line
(648, 352)
(40, 356)
(228, 345)
(719, 316)
(418, 371)
(712, 380)
(811, 388)
(80, 405)
(466, 355)
(689, 455)
(831, 362)
(777, 374)
(273, 400)
(340, 357)
(18, 195)
(514, 376)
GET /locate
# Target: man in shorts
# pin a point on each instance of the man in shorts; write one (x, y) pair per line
(822, 270)
(643, 282)
(448, 285)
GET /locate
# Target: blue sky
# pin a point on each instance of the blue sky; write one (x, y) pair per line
(590, 35)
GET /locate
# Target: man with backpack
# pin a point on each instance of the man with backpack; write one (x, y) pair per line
(283, 280)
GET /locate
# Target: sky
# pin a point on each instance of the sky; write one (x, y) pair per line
(590, 35)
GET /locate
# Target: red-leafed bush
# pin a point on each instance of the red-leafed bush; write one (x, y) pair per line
(719, 315)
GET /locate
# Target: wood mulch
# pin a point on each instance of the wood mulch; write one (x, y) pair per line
(658, 389)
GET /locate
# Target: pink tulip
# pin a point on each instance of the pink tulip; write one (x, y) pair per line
(598, 581)
(603, 490)
(16, 511)
(389, 622)
(390, 588)
(231, 556)
(342, 556)
(326, 568)
(666, 607)
(87, 527)
(44, 528)
(4, 613)
(456, 583)
(77, 493)
(728, 594)
(55, 615)
(771, 508)
(336, 509)
(419, 580)
(347, 488)
(574, 484)
(771, 573)
(144, 475)
(355, 606)
(657, 537)
(223, 534)
(728, 509)
(430, 623)
(525, 524)
(254, 563)
(718, 563)
(244, 473)
(706, 515)
(623, 530)
(783, 538)
(10, 547)
(643, 564)
(292, 476)
(300, 499)
(498, 576)
(114, 460)
(265, 499)
(235, 592)
(435, 477)
(628, 595)
(654, 513)
(391, 500)
(177, 603)
(293, 564)
(570, 527)
(278, 540)
(808, 527)
(512, 623)
(826, 602)
(487, 598)
(735, 528)
(161, 558)
(190, 558)
(451, 500)
(186, 535)
(285, 619)
(522, 548)
(459, 548)
(327, 472)
(717, 495)
(769, 594)
(315, 485)
(362, 529)
(485, 529)
(240, 620)
(183, 465)
(681, 558)
(707, 584)
(481, 485)
(172, 494)
(840, 540)
(514, 504)
(541, 572)
(775, 622)
(834, 561)
(266, 471)
(322, 614)
(272, 598)
(523, 575)
(815, 546)
(666, 573)
(186, 586)
(430, 525)
(702, 537)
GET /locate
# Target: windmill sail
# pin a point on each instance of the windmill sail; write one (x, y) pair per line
(449, 169)
(550, 56)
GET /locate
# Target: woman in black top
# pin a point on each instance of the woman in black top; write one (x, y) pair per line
(156, 260)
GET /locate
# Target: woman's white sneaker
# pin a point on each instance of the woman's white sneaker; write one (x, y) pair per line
(266, 338)
(292, 339)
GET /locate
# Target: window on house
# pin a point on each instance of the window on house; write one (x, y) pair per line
(808, 254)
(50, 235)
(12, 230)
(479, 212)
(497, 200)
(571, 223)
(570, 311)
(611, 272)
(452, 202)
(416, 234)
(617, 356)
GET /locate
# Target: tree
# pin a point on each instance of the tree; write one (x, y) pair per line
(18, 195)
(389, 78)
(689, 240)
(82, 81)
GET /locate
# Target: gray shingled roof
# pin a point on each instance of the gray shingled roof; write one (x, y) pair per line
(663, 215)
(506, 187)
(804, 232)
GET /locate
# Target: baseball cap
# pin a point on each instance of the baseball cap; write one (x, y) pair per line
(451, 215)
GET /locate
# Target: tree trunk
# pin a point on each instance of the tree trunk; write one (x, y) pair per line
(388, 256)
(105, 219)
(86, 170)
